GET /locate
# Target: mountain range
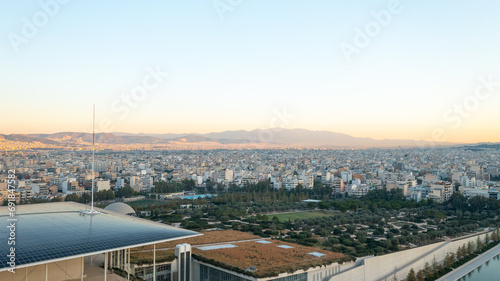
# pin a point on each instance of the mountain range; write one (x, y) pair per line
(276, 136)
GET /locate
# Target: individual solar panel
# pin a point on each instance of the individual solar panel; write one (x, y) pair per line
(285, 247)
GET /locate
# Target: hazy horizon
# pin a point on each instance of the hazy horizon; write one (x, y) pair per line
(176, 135)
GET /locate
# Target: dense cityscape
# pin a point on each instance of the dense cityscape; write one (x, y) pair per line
(419, 173)
(349, 203)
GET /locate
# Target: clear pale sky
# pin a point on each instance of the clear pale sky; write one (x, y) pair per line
(243, 67)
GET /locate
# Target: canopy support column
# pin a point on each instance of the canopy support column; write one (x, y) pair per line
(106, 266)
(82, 269)
(154, 262)
(128, 271)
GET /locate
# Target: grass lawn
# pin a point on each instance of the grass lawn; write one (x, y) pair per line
(301, 215)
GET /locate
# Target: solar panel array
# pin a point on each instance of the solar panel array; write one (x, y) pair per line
(48, 236)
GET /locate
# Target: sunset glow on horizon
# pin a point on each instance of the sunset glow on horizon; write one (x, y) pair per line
(378, 69)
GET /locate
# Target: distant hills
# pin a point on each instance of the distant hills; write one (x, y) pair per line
(26, 138)
(483, 146)
(276, 137)
(291, 137)
(108, 138)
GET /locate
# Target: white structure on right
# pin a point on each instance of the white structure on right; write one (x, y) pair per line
(399, 264)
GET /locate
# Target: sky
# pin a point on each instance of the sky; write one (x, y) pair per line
(382, 69)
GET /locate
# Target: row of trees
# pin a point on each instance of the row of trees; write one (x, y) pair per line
(172, 187)
(475, 204)
(85, 197)
(463, 254)
(33, 201)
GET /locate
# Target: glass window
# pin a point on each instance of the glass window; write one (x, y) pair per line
(208, 273)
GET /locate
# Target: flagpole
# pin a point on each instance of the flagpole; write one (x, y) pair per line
(92, 211)
(93, 151)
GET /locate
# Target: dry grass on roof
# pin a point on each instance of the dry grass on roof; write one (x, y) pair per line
(269, 259)
(147, 257)
(208, 237)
